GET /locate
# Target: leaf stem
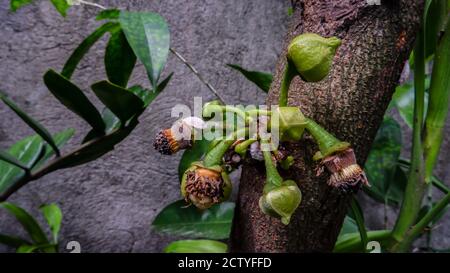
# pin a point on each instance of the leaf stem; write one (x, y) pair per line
(13, 161)
(359, 217)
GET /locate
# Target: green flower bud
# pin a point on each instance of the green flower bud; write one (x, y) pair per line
(204, 187)
(312, 55)
(281, 202)
(292, 123)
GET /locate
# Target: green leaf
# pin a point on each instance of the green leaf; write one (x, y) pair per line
(119, 59)
(83, 48)
(12, 160)
(52, 213)
(182, 220)
(17, 4)
(192, 154)
(261, 79)
(111, 14)
(148, 96)
(403, 99)
(99, 147)
(349, 226)
(36, 126)
(359, 218)
(435, 17)
(45, 248)
(111, 122)
(61, 6)
(74, 99)
(148, 35)
(27, 151)
(381, 165)
(12, 241)
(61, 139)
(27, 221)
(196, 246)
(122, 102)
(27, 249)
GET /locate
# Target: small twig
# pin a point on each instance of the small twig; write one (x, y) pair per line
(196, 73)
(89, 4)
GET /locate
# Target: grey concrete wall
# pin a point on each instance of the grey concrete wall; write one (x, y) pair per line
(109, 204)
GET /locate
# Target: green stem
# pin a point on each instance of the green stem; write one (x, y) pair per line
(289, 73)
(438, 104)
(430, 205)
(273, 179)
(215, 155)
(352, 242)
(328, 143)
(242, 147)
(415, 186)
(422, 224)
(438, 184)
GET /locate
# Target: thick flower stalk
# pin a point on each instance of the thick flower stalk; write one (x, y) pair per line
(280, 198)
(338, 158)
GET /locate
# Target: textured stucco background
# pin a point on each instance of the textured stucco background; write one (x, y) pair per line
(108, 204)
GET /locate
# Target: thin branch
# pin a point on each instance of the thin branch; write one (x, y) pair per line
(90, 4)
(53, 165)
(418, 228)
(196, 73)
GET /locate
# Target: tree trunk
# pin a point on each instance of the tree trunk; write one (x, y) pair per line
(350, 103)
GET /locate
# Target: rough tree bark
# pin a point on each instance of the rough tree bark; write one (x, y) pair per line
(376, 42)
